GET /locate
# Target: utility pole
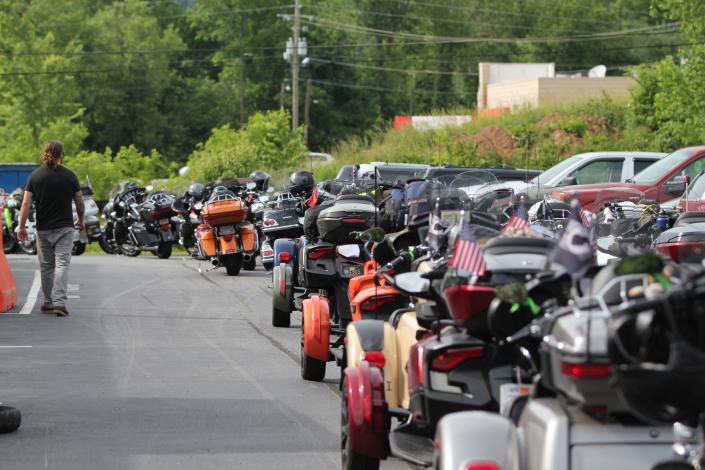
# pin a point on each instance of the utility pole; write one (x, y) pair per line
(307, 108)
(295, 68)
(296, 49)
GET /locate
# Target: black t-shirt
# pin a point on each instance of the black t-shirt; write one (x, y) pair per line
(53, 191)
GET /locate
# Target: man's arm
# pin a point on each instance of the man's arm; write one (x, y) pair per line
(24, 213)
(80, 209)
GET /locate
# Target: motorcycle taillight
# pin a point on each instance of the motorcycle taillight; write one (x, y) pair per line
(415, 367)
(372, 304)
(465, 301)
(317, 253)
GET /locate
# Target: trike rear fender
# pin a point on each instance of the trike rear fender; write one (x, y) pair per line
(368, 411)
(476, 437)
(282, 287)
(316, 319)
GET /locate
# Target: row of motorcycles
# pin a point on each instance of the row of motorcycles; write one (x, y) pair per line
(474, 334)
(228, 223)
(92, 231)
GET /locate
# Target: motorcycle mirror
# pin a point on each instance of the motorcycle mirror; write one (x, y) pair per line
(198, 206)
(412, 283)
(348, 251)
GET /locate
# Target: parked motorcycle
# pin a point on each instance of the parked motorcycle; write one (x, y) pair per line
(92, 231)
(586, 407)
(9, 237)
(226, 237)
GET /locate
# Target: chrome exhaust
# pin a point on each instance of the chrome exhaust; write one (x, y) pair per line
(215, 262)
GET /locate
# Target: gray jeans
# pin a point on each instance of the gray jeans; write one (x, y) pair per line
(54, 253)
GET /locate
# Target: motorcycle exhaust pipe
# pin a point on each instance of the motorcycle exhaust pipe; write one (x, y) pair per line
(215, 262)
(247, 257)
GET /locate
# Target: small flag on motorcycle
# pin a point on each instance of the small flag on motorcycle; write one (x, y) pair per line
(468, 257)
(574, 251)
(520, 219)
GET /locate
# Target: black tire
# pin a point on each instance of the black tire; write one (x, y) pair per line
(250, 264)
(78, 249)
(232, 263)
(164, 250)
(311, 368)
(351, 460)
(10, 419)
(106, 246)
(9, 243)
(280, 318)
(268, 266)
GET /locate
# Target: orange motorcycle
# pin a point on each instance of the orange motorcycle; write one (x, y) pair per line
(226, 236)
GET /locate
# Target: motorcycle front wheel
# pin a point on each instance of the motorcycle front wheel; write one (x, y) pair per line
(78, 249)
(9, 242)
(106, 246)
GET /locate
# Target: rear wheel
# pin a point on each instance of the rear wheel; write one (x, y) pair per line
(250, 264)
(232, 263)
(268, 266)
(351, 460)
(78, 249)
(280, 318)
(311, 368)
(164, 250)
(10, 419)
(128, 249)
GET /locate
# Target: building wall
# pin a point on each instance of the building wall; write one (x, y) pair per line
(559, 90)
(491, 72)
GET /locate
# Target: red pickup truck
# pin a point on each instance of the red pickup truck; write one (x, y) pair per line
(662, 181)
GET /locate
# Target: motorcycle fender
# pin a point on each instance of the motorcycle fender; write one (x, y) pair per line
(316, 318)
(282, 287)
(494, 441)
(367, 409)
(228, 247)
(376, 336)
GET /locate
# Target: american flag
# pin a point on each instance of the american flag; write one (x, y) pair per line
(581, 212)
(467, 256)
(520, 219)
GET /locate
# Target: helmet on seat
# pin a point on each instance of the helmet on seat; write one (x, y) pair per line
(261, 179)
(301, 182)
(196, 190)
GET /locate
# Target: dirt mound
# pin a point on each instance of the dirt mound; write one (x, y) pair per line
(493, 140)
(550, 118)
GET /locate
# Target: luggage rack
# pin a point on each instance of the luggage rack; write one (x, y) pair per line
(224, 197)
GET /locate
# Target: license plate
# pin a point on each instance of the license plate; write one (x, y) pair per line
(352, 271)
(227, 230)
(507, 394)
(163, 221)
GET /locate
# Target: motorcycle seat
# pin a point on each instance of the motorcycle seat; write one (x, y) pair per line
(512, 245)
(354, 197)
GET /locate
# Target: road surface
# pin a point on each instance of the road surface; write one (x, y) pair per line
(160, 367)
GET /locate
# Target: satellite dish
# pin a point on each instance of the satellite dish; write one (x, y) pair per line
(599, 71)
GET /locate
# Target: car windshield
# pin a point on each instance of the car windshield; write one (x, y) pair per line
(392, 173)
(556, 170)
(345, 173)
(662, 167)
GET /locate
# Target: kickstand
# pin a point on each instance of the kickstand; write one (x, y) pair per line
(201, 271)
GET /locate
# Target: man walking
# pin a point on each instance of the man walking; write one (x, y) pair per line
(53, 187)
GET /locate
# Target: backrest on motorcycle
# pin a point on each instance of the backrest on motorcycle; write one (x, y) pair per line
(515, 245)
(354, 197)
(689, 217)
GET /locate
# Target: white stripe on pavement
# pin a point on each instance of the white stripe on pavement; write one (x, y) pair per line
(14, 347)
(32, 296)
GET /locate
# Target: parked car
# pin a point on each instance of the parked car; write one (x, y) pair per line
(448, 173)
(659, 182)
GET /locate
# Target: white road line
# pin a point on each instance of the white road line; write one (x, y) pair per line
(32, 296)
(73, 287)
(73, 296)
(14, 347)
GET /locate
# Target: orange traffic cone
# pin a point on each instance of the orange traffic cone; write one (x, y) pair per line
(8, 286)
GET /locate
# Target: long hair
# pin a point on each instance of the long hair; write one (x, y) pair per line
(53, 151)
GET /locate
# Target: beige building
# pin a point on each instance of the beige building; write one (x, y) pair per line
(540, 86)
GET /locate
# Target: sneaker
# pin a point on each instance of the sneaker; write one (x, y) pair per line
(47, 308)
(60, 311)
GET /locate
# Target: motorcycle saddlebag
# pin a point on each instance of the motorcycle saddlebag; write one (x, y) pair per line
(143, 236)
(207, 237)
(249, 237)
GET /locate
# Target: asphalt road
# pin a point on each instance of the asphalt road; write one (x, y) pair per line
(160, 367)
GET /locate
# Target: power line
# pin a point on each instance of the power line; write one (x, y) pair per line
(504, 12)
(390, 69)
(660, 29)
(377, 88)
